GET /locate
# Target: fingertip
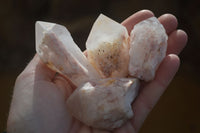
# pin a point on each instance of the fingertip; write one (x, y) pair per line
(146, 12)
(177, 41)
(183, 35)
(137, 17)
(167, 70)
(171, 63)
(169, 22)
(173, 60)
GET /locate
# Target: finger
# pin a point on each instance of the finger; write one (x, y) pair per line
(149, 95)
(64, 85)
(36, 66)
(135, 18)
(176, 42)
(169, 22)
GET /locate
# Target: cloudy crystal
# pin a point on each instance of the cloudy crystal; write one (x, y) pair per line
(104, 104)
(107, 47)
(148, 45)
(57, 49)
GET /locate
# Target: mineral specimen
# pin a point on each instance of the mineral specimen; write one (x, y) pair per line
(107, 48)
(104, 93)
(104, 104)
(57, 49)
(148, 45)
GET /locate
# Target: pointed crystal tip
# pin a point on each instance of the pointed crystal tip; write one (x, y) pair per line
(40, 27)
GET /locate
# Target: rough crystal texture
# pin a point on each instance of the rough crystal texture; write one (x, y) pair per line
(148, 45)
(104, 104)
(107, 48)
(57, 49)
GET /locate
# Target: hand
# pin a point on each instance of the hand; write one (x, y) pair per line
(38, 104)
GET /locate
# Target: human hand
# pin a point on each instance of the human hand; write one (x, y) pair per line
(39, 100)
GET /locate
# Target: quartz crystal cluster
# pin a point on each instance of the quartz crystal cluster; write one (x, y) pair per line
(107, 79)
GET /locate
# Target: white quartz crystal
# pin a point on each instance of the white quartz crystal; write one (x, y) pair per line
(148, 45)
(104, 104)
(104, 93)
(57, 49)
(107, 47)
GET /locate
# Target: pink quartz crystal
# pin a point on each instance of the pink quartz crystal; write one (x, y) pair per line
(112, 55)
(148, 45)
(107, 47)
(104, 104)
(57, 49)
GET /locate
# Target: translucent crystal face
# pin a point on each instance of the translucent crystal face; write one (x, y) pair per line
(104, 104)
(112, 55)
(107, 48)
(148, 45)
(57, 49)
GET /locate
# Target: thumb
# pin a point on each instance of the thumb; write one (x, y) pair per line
(36, 66)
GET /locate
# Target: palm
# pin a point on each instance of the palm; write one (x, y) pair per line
(49, 93)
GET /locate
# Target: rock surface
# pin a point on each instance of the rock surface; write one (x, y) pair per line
(107, 47)
(148, 45)
(57, 49)
(104, 104)
(104, 93)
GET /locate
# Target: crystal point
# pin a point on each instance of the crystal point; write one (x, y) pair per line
(104, 104)
(148, 45)
(107, 47)
(57, 49)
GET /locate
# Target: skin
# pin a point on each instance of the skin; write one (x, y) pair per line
(37, 74)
